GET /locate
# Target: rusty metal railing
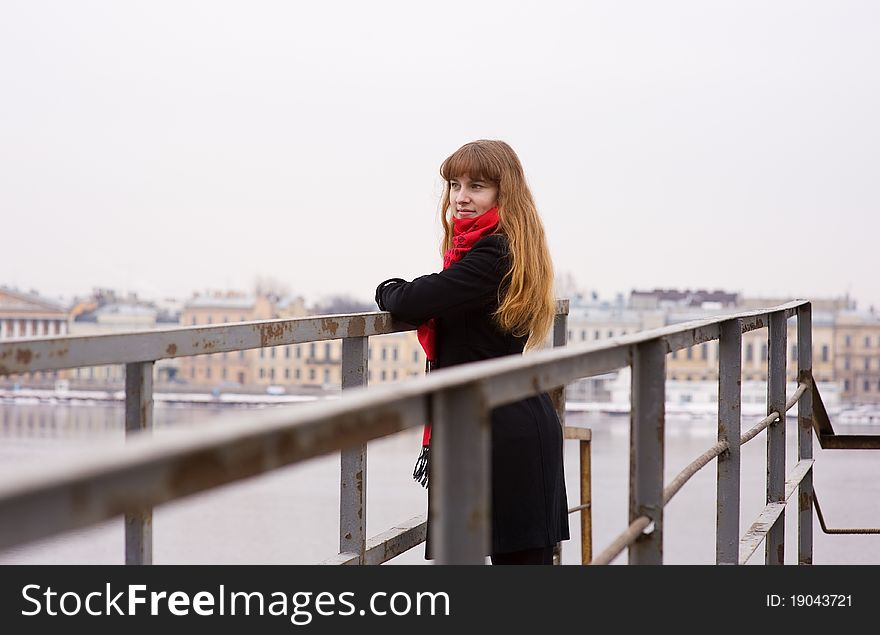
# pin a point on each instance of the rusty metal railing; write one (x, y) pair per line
(150, 471)
(644, 534)
(139, 352)
(769, 526)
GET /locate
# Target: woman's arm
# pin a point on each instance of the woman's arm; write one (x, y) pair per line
(468, 283)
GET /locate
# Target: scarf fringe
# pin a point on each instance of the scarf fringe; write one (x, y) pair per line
(420, 472)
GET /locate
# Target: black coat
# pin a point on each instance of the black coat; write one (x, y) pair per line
(529, 508)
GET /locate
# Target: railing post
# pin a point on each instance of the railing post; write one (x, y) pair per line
(353, 461)
(805, 433)
(586, 501)
(139, 418)
(557, 395)
(460, 516)
(774, 544)
(647, 418)
(729, 423)
(560, 338)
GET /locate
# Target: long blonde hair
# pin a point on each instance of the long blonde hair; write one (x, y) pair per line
(528, 303)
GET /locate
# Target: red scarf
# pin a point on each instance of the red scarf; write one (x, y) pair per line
(465, 233)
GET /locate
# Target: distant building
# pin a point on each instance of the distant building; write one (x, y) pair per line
(857, 356)
(118, 317)
(390, 358)
(310, 365)
(591, 320)
(30, 315)
(237, 367)
(667, 298)
(846, 343)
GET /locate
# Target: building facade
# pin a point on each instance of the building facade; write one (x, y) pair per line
(30, 315)
(846, 343)
(118, 317)
(220, 369)
(857, 356)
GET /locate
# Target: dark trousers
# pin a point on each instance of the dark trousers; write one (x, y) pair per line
(542, 555)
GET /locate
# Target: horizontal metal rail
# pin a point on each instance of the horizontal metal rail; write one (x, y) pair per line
(55, 353)
(767, 518)
(94, 486)
(387, 545)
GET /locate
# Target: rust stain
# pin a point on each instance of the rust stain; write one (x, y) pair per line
(287, 447)
(270, 334)
(348, 536)
(208, 344)
(383, 322)
(23, 356)
(79, 499)
(348, 431)
(329, 326)
(357, 326)
(803, 502)
(172, 349)
(207, 469)
(210, 468)
(780, 554)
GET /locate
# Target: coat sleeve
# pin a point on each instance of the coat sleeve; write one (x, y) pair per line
(471, 282)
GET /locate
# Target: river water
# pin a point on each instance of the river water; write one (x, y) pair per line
(290, 516)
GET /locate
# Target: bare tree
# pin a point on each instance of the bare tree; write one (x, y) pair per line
(342, 304)
(268, 285)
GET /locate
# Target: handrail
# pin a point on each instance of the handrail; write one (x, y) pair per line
(76, 351)
(98, 486)
(149, 471)
(59, 352)
(138, 351)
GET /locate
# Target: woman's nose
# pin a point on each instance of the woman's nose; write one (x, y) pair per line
(461, 197)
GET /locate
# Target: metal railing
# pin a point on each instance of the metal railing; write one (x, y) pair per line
(139, 352)
(150, 471)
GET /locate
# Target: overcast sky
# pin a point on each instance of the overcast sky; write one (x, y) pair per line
(167, 147)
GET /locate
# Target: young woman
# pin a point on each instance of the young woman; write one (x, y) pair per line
(494, 297)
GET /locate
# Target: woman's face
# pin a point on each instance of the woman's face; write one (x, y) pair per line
(471, 198)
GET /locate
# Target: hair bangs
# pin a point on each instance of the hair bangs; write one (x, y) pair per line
(472, 161)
